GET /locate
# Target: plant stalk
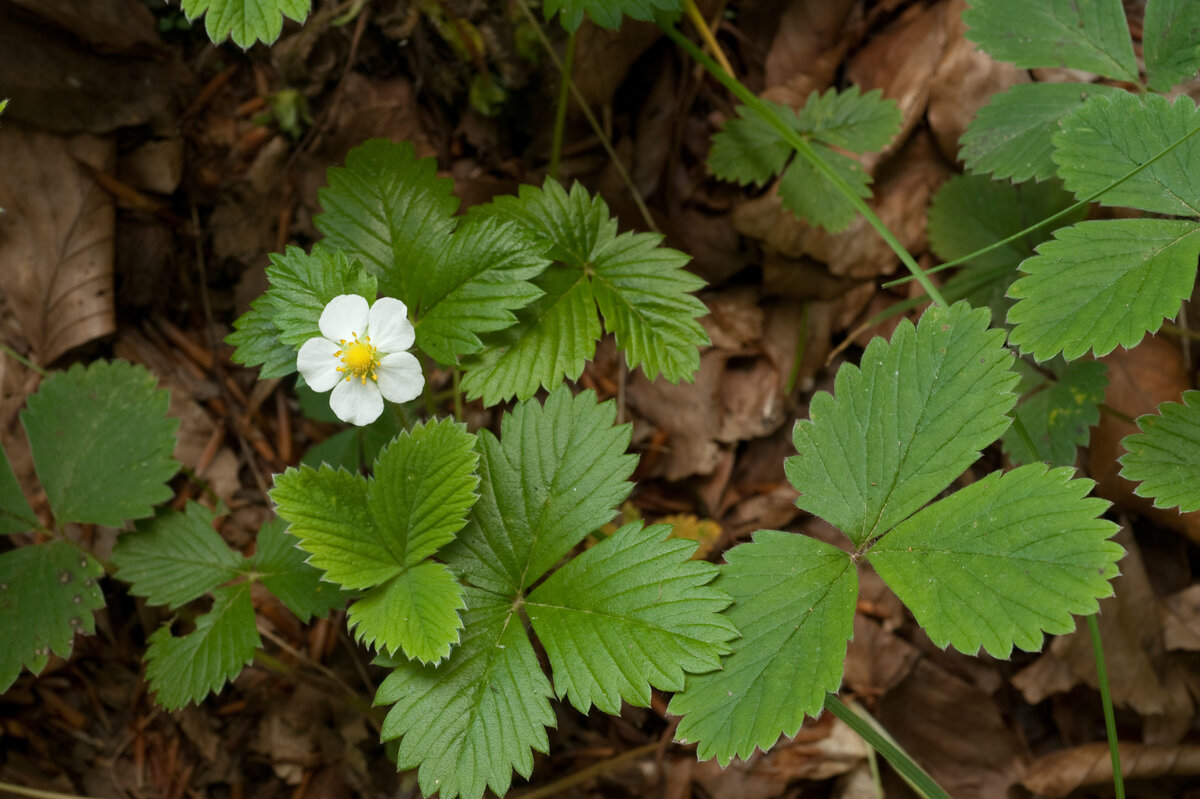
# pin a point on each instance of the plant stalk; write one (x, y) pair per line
(564, 98)
(870, 731)
(1110, 721)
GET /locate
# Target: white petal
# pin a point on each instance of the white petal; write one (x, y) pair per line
(400, 377)
(345, 315)
(389, 326)
(355, 402)
(318, 364)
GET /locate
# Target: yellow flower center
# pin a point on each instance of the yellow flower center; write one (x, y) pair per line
(359, 359)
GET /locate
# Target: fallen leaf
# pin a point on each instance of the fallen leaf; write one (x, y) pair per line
(56, 238)
(1060, 773)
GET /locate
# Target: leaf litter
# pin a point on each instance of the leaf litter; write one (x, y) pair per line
(781, 296)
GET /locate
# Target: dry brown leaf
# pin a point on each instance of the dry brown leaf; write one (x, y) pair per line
(57, 85)
(1181, 620)
(955, 731)
(112, 25)
(56, 238)
(901, 61)
(822, 749)
(876, 660)
(964, 80)
(1139, 381)
(1060, 773)
(807, 50)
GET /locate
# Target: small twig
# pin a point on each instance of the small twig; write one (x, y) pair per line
(560, 785)
(706, 33)
(37, 793)
(21, 359)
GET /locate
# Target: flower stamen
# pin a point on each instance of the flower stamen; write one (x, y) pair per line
(359, 359)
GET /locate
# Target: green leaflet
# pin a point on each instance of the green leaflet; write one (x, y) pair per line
(793, 601)
(1111, 135)
(1164, 458)
(101, 443)
(257, 343)
(279, 564)
(750, 150)
(1103, 283)
(1003, 560)
(970, 212)
(555, 474)
(185, 669)
(390, 211)
(175, 557)
(631, 611)
(245, 21)
(1170, 42)
(1010, 137)
(1092, 35)
(606, 13)
(905, 424)
(377, 535)
(640, 288)
(48, 592)
(15, 514)
(302, 284)
(467, 723)
(1057, 412)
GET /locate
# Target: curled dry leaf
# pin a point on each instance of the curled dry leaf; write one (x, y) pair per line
(964, 80)
(901, 61)
(807, 50)
(56, 238)
(1060, 773)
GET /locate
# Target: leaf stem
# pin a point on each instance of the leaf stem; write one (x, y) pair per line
(1035, 226)
(801, 146)
(875, 736)
(21, 359)
(37, 793)
(622, 172)
(710, 41)
(1110, 722)
(560, 112)
(1023, 434)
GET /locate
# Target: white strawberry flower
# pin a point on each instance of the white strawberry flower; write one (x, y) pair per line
(361, 355)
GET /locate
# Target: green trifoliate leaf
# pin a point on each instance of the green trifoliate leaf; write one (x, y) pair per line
(416, 611)
(1103, 283)
(48, 592)
(185, 669)
(175, 557)
(101, 443)
(748, 149)
(1165, 457)
(970, 212)
(1010, 137)
(279, 564)
(15, 514)
(639, 287)
(257, 341)
(1057, 412)
(1092, 35)
(468, 722)
(245, 21)
(481, 276)
(374, 534)
(812, 196)
(1171, 42)
(793, 601)
(605, 13)
(631, 612)
(390, 211)
(556, 474)
(1111, 135)
(905, 424)
(1002, 561)
(302, 284)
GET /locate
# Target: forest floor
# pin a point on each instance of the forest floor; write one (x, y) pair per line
(166, 171)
